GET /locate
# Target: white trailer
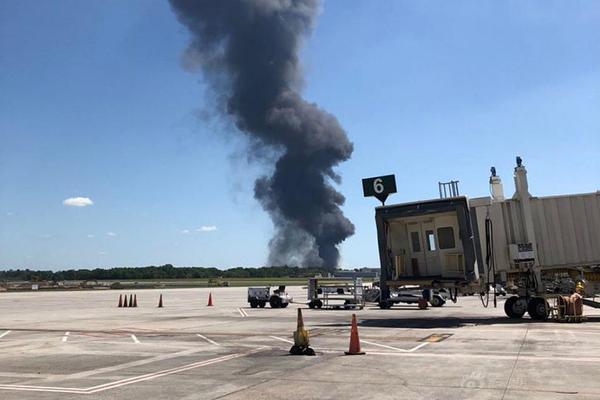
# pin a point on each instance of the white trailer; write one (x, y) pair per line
(324, 294)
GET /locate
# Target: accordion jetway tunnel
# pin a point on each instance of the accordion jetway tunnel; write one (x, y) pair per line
(545, 250)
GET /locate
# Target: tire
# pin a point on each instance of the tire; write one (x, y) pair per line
(538, 309)
(436, 301)
(384, 305)
(253, 304)
(319, 304)
(515, 307)
(284, 305)
(348, 305)
(262, 304)
(311, 304)
(275, 302)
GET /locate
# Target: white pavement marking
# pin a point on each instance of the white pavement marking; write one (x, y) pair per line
(242, 312)
(207, 339)
(128, 381)
(135, 339)
(4, 334)
(166, 372)
(64, 338)
(282, 339)
(417, 347)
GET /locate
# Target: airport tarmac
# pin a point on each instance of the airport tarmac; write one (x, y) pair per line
(78, 344)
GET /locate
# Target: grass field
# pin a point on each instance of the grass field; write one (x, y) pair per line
(235, 282)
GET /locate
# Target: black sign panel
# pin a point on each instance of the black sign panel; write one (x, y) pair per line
(379, 186)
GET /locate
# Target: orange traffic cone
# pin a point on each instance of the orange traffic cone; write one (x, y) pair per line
(354, 340)
(210, 303)
(120, 301)
(135, 300)
(130, 300)
(125, 302)
(160, 304)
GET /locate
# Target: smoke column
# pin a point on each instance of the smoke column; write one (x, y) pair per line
(248, 53)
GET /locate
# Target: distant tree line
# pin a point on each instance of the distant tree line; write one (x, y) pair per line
(166, 271)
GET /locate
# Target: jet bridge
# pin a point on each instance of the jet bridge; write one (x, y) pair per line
(545, 249)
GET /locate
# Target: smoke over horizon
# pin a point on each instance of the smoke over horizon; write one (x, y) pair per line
(248, 53)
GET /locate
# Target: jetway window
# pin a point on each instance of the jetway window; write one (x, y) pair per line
(446, 237)
(430, 240)
(416, 243)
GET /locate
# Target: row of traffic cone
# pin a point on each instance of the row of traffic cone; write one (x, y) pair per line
(301, 339)
(132, 301)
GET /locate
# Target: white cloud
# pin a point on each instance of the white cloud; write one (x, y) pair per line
(10, 214)
(111, 234)
(102, 253)
(78, 201)
(185, 231)
(90, 236)
(207, 228)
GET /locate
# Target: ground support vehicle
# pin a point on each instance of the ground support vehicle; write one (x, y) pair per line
(324, 294)
(260, 296)
(407, 295)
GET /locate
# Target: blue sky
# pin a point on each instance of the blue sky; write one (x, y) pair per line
(94, 103)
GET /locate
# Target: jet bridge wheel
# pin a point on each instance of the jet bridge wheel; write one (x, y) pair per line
(515, 307)
(538, 308)
(385, 305)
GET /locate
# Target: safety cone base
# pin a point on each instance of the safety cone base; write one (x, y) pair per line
(302, 351)
(354, 353)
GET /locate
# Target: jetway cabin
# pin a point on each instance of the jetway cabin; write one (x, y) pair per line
(426, 242)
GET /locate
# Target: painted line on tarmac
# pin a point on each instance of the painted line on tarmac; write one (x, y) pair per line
(512, 356)
(24, 388)
(159, 374)
(135, 339)
(417, 347)
(282, 339)
(207, 339)
(242, 312)
(66, 337)
(4, 334)
(129, 381)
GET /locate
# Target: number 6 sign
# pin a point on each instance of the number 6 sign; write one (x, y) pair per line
(379, 186)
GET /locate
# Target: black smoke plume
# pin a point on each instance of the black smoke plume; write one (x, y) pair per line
(248, 52)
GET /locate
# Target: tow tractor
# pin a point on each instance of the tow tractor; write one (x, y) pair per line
(409, 295)
(259, 296)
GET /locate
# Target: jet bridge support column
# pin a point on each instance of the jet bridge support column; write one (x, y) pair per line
(524, 197)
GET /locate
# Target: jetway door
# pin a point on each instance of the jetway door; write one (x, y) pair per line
(432, 254)
(417, 264)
